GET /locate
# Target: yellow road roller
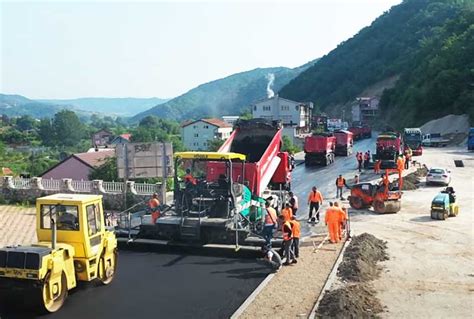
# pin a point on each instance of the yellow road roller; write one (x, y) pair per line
(74, 245)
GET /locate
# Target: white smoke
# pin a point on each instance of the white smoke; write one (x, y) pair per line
(271, 79)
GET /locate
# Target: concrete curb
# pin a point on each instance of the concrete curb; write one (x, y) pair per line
(329, 281)
(252, 297)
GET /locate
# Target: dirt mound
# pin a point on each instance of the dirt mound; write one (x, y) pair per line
(450, 124)
(421, 172)
(354, 301)
(361, 257)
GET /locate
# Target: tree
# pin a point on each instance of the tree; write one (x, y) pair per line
(107, 171)
(214, 144)
(149, 121)
(288, 145)
(25, 122)
(46, 133)
(67, 128)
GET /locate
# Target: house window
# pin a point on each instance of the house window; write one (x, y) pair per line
(267, 108)
(254, 107)
(206, 126)
(194, 126)
(285, 107)
(297, 107)
(196, 135)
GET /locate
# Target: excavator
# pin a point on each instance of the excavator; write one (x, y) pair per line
(382, 197)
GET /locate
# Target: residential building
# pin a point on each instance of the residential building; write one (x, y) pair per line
(78, 166)
(292, 114)
(365, 109)
(121, 139)
(197, 134)
(230, 119)
(101, 138)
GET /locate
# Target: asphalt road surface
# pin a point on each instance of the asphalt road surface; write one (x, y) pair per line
(166, 283)
(188, 283)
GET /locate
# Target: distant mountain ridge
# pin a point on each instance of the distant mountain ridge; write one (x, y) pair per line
(127, 106)
(226, 96)
(17, 105)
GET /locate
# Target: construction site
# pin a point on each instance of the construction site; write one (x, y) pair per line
(204, 255)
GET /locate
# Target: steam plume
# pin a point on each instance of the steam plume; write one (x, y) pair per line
(271, 79)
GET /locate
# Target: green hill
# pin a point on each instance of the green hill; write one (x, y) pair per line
(227, 96)
(427, 45)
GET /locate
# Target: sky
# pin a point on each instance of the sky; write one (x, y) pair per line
(70, 49)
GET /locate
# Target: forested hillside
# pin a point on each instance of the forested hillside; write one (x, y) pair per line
(227, 96)
(414, 40)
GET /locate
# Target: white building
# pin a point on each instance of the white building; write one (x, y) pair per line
(197, 134)
(295, 116)
(365, 109)
(230, 119)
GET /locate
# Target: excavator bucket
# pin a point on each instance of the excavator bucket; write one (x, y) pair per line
(389, 206)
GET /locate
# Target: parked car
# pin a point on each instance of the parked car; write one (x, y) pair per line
(437, 175)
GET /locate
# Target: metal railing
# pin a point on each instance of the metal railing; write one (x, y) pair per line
(113, 187)
(146, 188)
(82, 186)
(51, 184)
(22, 183)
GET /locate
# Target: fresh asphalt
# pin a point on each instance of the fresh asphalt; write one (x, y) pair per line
(176, 282)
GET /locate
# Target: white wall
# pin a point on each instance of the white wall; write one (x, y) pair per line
(277, 108)
(196, 136)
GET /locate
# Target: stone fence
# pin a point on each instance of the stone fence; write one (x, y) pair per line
(14, 189)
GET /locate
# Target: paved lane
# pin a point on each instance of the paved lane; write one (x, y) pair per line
(167, 284)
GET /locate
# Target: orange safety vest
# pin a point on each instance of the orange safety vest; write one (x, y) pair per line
(296, 228)
(189, 178)
(359, 157)
(332, 215)
(153, 203)
(287, 214)
(286, 235)
(315, 197)
(340, 181)
(271, 216)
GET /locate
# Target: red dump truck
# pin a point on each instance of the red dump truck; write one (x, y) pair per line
(319, 149)
(344, 143)
(361, 131)
(266, 165)
(388, 148)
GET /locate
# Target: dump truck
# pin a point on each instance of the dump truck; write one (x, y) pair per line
(223, 201)
(388, 148)
(319, 149)
(344, 143)
(412, 138)
(73, 245)
(356, 131)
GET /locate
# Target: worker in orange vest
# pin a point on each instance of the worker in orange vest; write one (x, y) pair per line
(296, 229)
(287, 233)
(315, 200)
(366, 159)
(360, 161)
(333, 220)
(342, 217)
(271, 223)
(340, 183)
(154, 206)
(189, 178)
(400, 163)
(287, 213)
(377, 166)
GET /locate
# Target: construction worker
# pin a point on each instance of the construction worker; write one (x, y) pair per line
(296, 229)
(400, 163)
(340, 183)
(385, 182)
(315, 200)
(287, 234)
(332, 220)
(293, 203)
(377, 166)
(154, 206)
(189, 178)
(287, 213)
(366, 159)
(356, 179)
(271, 223)
(359, 160)
(408, 154)
(342, 217)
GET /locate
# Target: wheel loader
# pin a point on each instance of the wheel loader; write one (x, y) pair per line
(73, 245)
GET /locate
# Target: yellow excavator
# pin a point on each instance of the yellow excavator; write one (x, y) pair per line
(74, 245)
